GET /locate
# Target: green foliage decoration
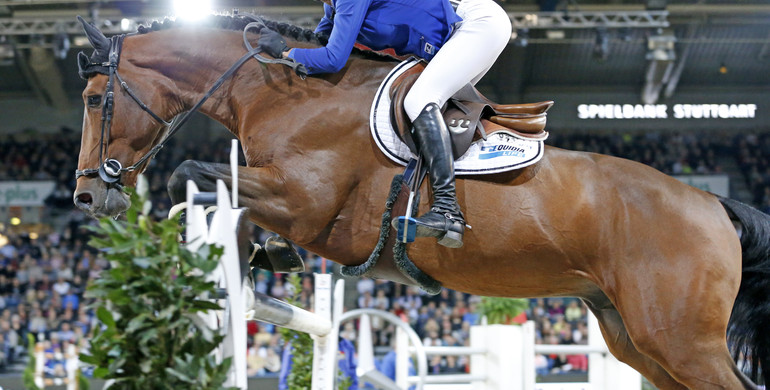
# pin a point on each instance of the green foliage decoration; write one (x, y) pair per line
(83, 383)
(344, 382)
(28, 377)
(501, 310)
(148, 304)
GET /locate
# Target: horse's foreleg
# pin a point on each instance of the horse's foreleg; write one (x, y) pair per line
(255, 191)
(620, 345)
(203, 174)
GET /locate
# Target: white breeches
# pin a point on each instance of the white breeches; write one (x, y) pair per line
(465, 57)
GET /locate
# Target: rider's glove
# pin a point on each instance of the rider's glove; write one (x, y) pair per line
(272, 43)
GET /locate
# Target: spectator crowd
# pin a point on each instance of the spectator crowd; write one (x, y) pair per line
(43, 276)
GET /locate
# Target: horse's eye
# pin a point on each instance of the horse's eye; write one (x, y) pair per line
(94, 101)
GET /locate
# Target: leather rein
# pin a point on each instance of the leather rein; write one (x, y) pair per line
(111, 169)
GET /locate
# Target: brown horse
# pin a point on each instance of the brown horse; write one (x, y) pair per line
(660, 263)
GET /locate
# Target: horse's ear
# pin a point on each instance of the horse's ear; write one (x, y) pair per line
(83, 60)
(100, 43)
(83, 64)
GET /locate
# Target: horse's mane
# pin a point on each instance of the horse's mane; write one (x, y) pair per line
(239, 22)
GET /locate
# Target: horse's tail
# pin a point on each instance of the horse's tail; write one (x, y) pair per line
(747, 333)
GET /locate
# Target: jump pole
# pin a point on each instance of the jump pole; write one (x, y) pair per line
(242, 302)
(501, 358)
(239, 297)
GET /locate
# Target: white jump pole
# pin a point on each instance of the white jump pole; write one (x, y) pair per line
(402, 358)
(325, 346)
(234, 171)
(605, 372)
(71, 367)
(319, 324)
(227, 275)
(71, 364)
(240, 298)
(596, 361)
(502, 358)
(266, 308)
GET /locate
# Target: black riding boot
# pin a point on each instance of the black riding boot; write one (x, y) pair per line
(444, 220)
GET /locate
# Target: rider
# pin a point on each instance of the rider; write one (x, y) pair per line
(459, 41)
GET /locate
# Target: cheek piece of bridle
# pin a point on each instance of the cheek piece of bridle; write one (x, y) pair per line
(111, 170)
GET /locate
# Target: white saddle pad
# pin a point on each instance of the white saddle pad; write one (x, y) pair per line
(502, 151)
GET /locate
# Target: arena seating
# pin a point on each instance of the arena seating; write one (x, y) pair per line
(42, 278)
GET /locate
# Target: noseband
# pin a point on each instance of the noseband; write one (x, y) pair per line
(111, 170)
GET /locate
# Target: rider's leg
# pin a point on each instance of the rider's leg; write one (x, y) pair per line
(444, 220)
(464, 58)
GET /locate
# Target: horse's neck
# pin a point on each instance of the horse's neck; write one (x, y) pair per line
(277, 114)
(272, 96)
(191, 61)
(312, 134)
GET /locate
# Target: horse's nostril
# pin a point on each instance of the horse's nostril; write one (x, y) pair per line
(84, 199)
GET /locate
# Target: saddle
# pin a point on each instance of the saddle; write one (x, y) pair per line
(469, 115)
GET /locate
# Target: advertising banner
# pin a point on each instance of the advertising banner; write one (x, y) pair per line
(25, 193)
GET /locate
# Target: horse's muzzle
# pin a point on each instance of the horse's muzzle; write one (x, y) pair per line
(96, 199)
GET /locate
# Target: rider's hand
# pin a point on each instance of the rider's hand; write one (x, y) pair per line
(272, 43)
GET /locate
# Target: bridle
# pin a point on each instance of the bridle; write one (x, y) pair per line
(111, 170)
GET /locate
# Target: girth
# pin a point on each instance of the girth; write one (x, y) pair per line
(469, 115)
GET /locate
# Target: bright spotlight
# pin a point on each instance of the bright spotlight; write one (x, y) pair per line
(34, 236)
(192, 9)
(15, 221)
(3, 240)
(125, 24)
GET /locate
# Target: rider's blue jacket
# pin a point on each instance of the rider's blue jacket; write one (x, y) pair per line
(418, 27)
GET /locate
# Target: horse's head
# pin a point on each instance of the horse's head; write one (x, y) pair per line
(123, 120)
(137, 84)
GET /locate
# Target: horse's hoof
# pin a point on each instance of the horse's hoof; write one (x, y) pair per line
(282, 255)
(259, 259)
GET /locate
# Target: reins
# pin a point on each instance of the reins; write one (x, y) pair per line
(111, 169)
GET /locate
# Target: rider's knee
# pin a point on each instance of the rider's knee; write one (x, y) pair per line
(502, 27)
(415, 102)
